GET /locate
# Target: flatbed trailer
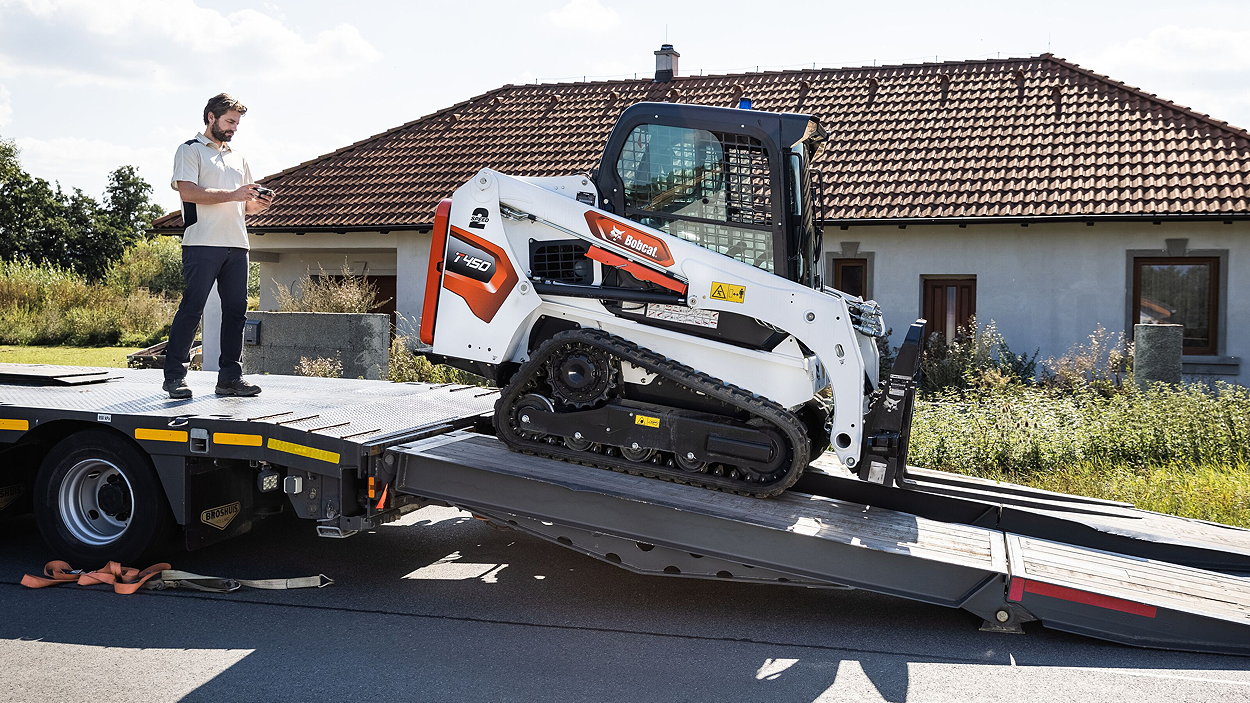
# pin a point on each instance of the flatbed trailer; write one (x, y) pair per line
(352, 455)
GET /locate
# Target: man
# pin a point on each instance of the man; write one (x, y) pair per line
(217, 191)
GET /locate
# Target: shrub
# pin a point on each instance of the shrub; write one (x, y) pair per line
(977, 356)
(320, 367)
(47, 305)
(1104, 362)
(1023, 430)
(325, 292)
(154, 264)
(408, 366)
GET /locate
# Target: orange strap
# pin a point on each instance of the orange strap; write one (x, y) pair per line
(124, 580)
(54, 572)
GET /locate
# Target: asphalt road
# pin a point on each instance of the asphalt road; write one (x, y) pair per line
(447, 608)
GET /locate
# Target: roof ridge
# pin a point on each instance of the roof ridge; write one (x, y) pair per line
(794, 71)
(1151, 97)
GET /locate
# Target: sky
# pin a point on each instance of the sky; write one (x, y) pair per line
(87, 86)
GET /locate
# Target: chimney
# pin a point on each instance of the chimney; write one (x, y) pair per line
(665, 63)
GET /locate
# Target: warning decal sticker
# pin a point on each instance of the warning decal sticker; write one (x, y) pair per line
(728, 292)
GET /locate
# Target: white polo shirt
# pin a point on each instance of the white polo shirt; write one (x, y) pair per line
(199, 161)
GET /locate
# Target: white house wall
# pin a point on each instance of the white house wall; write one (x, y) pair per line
(288, 258)
(1047, 286)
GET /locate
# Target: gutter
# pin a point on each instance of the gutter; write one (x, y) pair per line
(1026, 220)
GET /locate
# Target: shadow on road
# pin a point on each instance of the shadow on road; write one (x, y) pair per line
(451, 608)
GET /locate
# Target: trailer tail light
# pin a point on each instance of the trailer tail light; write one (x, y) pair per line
(373, 493)
(434, 273)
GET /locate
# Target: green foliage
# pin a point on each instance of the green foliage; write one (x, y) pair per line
(978, 356)
(1087, 442)
(154, 264)
(325, 292)
(43, 224)
(50, 305)
(407, 366)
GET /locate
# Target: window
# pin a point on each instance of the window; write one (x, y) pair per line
(1180, 291)
(709, 188)
(949, 303)
(851, 276)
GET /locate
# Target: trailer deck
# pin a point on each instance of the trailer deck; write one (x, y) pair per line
(357, 453)
(821, 540)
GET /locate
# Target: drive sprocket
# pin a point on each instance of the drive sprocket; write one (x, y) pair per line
(582, 376)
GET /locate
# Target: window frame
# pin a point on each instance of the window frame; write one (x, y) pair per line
(1215, 293)
(930, 281)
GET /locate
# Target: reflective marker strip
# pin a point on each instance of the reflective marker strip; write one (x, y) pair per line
(21, 425)
(161, 435)
(1021, 586)
(240, 440)
(301, 450)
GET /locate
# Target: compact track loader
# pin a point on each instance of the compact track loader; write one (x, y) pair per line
(666, 316)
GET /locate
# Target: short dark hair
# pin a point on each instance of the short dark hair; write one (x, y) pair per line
(222, 103)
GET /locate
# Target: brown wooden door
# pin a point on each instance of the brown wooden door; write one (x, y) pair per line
(949, 303)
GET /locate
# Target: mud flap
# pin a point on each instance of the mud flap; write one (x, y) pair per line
(220, 501)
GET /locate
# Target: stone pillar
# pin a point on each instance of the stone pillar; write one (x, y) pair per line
(1157, 354)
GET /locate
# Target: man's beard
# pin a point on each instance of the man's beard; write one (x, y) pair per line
(220, 135)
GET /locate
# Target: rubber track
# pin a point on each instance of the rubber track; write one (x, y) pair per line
(526, 380)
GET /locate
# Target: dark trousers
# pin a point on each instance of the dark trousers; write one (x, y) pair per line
(201, 268)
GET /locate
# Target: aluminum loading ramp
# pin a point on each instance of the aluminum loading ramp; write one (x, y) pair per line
(811, 539)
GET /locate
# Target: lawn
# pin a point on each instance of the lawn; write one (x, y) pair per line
(113, 357)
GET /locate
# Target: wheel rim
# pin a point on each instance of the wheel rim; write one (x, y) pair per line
(96, 502)
(639, 455)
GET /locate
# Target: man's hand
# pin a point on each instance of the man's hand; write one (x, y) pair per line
(262, 198)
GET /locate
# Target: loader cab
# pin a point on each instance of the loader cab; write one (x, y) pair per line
(731, 180)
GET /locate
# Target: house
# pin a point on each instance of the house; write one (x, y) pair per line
(1029, 191)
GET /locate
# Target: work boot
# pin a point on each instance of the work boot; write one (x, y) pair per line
(176, 388)
(237, 387)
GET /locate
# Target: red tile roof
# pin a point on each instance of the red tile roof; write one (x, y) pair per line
(1033, 137)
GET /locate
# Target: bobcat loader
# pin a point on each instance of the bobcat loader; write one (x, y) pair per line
(665, 316)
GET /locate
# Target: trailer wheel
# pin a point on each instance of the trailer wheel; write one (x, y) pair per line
(97, 498)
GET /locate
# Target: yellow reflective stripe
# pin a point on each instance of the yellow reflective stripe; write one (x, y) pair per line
(161, 435)
(7, 424)
(242, 440)
(301, 450)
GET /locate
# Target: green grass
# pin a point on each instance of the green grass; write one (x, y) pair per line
(113, 357)
(1182, 450)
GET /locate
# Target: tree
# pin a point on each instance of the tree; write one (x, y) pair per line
(43, 224)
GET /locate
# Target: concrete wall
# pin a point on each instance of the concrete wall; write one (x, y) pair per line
(360, 341)
(1047, 286)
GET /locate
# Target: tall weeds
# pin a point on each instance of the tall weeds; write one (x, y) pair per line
(344, 292)
(42, 304)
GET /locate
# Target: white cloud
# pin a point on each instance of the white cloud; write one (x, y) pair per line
(584, 15)
(139, 42)
(78, 162)
(6, 106)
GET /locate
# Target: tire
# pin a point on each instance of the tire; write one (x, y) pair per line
(98, 499)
